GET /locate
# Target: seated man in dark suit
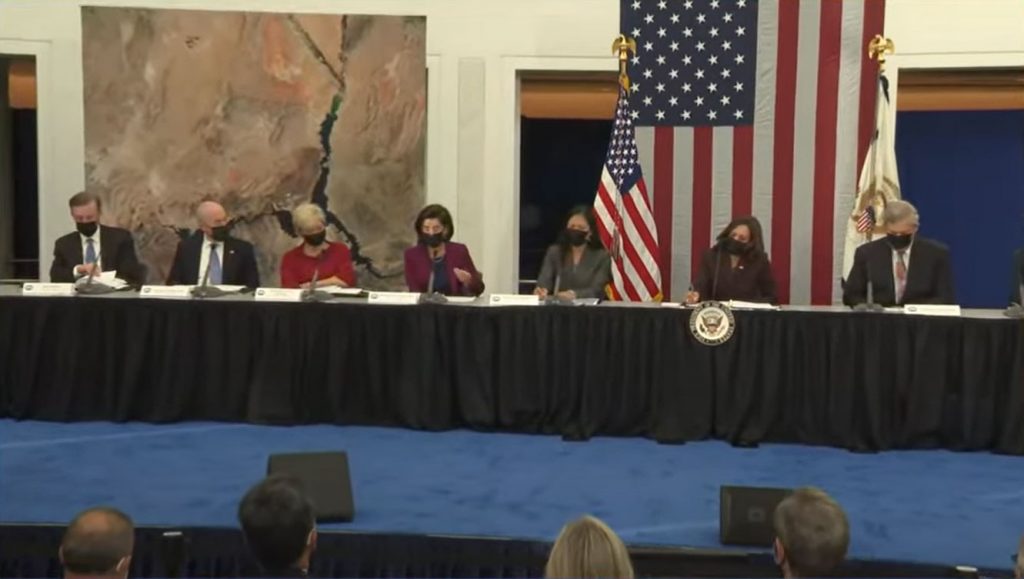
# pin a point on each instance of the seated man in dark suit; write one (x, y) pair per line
(1017, 282)
(94, 247)
(279, 526)
(229, 261)
(902, 268)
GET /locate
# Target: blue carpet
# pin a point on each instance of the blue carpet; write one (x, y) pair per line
(921, 506)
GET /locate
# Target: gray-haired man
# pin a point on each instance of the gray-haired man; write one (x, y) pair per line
(902, 267)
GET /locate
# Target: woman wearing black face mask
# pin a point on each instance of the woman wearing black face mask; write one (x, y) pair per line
(436, 264)
(737, 267)
(577, 266)
(329, 262)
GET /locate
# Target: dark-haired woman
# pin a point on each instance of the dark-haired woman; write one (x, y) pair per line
(577, 266)
(737, 267)
(436, 264)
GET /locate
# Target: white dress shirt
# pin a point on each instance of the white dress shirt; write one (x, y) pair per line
(204, 258)
(95, 247)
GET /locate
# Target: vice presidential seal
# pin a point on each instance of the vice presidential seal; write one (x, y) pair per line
(712, 323)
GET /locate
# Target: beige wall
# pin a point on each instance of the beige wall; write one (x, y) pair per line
(475, 49)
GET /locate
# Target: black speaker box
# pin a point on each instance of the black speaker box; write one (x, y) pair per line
(745, 515)
(324, 477)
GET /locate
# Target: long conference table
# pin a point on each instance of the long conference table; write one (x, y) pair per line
(825, 376)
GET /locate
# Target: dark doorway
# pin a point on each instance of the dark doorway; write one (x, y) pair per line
(564, 131)
(19, 169)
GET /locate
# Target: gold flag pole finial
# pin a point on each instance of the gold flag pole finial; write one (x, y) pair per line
(878, 48)
(623, 46)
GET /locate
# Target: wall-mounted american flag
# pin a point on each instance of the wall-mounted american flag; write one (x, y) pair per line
(754, 107)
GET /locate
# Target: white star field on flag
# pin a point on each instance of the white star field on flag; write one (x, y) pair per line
(692, 53)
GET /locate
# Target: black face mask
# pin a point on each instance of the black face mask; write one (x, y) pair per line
(432, 239)
(735, 246)
(87, 229)
(220, 233)
(899, 242)
(576, 237)
(316, 239)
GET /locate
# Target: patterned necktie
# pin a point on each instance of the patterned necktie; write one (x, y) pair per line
(901, 275)
(90, 250)
(216, 274)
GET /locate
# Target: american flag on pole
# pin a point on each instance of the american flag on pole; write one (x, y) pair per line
(623, 214)
(748, 107)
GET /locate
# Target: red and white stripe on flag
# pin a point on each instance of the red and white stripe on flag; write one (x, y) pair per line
(795, 168)
(627, 229)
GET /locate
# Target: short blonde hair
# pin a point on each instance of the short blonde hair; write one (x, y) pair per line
(588, 549)
(307, 216)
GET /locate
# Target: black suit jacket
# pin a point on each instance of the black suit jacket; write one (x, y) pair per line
(117, 252)
(1018, 277)
(238, 262)
(929, 276)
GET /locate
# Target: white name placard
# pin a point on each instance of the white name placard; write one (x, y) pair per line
(166, 291)
(932, 310)
(48, 289)
(277, 294)
(514, 300)
(394, 298)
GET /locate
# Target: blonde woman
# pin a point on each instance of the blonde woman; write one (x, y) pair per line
(588, 549)
(330, 261)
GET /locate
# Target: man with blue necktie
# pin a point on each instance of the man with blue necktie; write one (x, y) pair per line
(93, 248)
(228, 260)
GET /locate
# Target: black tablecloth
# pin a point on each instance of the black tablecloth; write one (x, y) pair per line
(861, 381)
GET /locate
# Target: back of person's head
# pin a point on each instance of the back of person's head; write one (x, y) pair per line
(588, 549)
(812, 533)
(98, 543)
(278, 523)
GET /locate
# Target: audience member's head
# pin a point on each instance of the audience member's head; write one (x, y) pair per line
(279, 525)
(812, 534)
(1018, 567)
(98, 543)
(588, 549)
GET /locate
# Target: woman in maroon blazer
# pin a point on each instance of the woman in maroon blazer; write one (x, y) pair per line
(436, 264)
(736, 267)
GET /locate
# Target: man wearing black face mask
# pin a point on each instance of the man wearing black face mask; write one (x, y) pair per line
(902, 268)
(230, 261)
(93, 248)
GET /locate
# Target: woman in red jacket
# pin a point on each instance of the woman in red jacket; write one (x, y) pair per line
(329, 261)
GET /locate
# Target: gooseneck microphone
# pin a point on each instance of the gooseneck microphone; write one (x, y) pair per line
(869, 305)
(91, 287)
(204, 289)
(312, 294)
(718, 266)
(1016, 309)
